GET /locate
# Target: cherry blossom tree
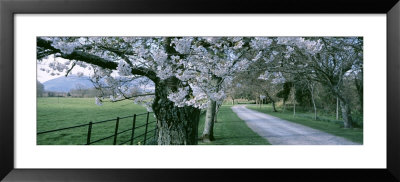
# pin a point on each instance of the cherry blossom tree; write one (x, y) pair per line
(187, 72)
(225, 64)
(194, 73)
(326, 60)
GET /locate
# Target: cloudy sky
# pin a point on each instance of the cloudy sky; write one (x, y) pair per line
(44, 76)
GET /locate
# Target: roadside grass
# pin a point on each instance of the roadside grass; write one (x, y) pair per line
(231, 130)
(329, 125)
(54, 113)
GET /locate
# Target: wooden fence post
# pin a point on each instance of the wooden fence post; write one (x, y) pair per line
(133, 128)
(155, 131)
(145, 131)
(116, 131)
(89, 133)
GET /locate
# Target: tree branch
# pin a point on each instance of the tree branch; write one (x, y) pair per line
(93, 59)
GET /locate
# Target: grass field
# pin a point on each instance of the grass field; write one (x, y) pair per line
(54, 113)
(231, 130)
(329, 125)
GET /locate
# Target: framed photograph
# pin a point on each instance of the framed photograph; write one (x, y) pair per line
(122, 90)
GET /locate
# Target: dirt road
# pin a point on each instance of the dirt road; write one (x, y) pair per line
(281, 132)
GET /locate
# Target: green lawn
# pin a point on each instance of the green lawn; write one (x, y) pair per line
(54, 113)
(329, 125)
(231, 130)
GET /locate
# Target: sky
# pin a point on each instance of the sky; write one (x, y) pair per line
(43, 76)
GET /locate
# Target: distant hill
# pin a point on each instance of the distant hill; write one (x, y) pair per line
(65, 84)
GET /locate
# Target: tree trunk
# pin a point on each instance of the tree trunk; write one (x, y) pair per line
(313, 100)
(294, 101)
(359, 87)
(337, 108)
(294, 109)
(233, 101)
(284, 106)
(208, 132)
(216, 112)
(176, 125)
(346, 114)
(273, 106)
(273, 102)
(315, 109)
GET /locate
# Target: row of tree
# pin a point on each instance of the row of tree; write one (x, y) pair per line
(193, 73)
(79, 91)
(309, 96)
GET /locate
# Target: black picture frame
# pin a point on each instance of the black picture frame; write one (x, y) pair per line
(9, 8)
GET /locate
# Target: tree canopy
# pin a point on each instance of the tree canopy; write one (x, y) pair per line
(188, 62)
(189, 73)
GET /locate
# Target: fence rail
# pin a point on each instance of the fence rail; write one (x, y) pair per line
(116, 130)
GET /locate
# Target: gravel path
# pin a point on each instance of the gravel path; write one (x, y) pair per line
(281, 132)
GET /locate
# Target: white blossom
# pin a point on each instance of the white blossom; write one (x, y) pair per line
(260, 43)
(98, 101)
(200, 61)
(159, 56)
(238, 45)
(182, 45)
(179, 97)
(64, 46)
(145, 101)
(123, 68)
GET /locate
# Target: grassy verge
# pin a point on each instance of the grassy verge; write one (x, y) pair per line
(54, 113)
(355, 134)
(231, 130)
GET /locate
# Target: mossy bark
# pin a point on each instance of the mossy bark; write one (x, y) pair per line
(176, 125)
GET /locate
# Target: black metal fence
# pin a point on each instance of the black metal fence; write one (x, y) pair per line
(132, 129)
